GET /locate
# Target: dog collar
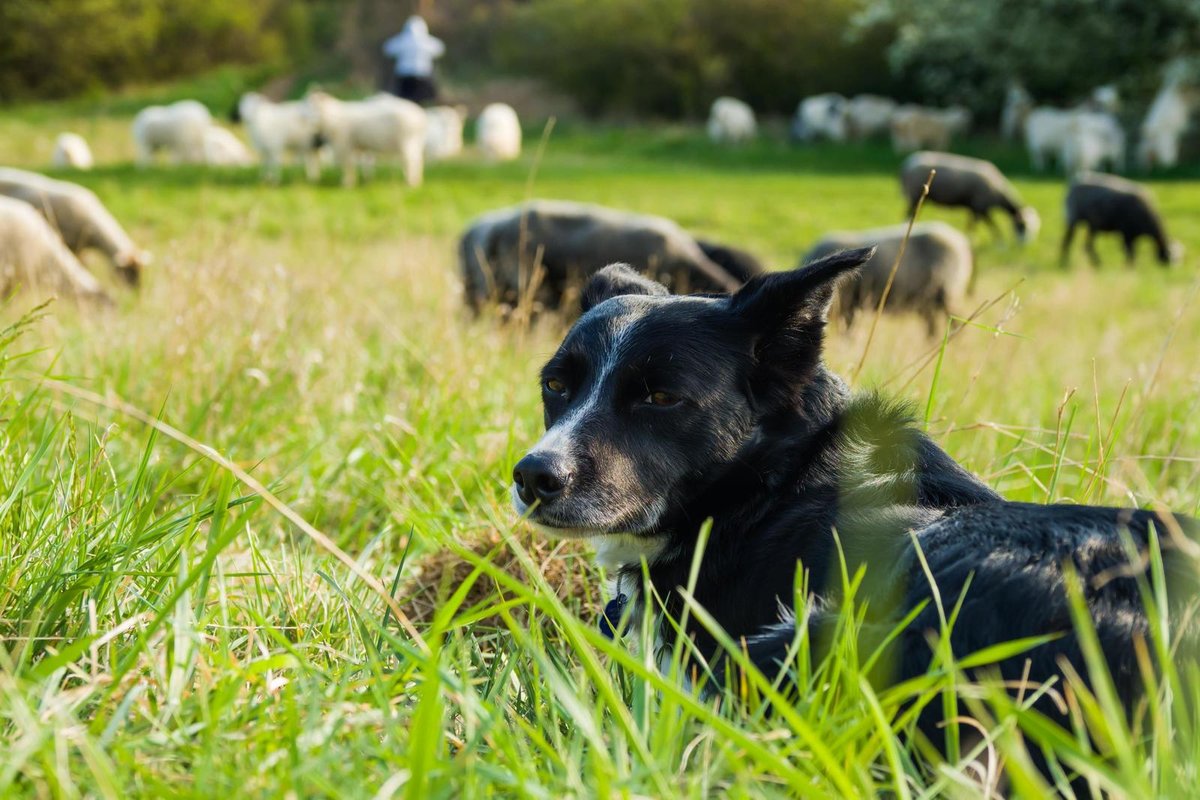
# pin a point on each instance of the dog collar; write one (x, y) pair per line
(610, 620)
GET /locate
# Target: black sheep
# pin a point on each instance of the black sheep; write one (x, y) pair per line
(1107, 204)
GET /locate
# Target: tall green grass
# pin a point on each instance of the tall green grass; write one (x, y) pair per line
(169, 632)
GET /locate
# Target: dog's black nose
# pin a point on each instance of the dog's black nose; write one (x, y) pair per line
(540, 477)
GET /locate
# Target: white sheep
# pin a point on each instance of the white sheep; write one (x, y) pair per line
(821, 116)
(178, 128)
(1163, 127)
(1078, 135)
(223, 149)
(444, 133)
(71, 151)
(80, 218)
(359, 130)
(869, 115)
(916, 127)
(32, 256)
(1018, 104)
(1093, 139)
(498, 132)
(1046, 131)
(730, 121)
(277, 130)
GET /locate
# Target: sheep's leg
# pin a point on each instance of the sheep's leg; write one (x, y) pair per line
(1130, 250)
(1068, 237)
(144, 157)
(414, 163)
(1090, 246)
(367, 163)
(931, 323)
(312, 166)
(271, 167)
(349, 167)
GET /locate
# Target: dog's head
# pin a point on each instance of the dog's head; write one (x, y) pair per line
(650, 393)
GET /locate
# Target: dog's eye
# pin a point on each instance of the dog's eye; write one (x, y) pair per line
(554, 386)
(662, 399)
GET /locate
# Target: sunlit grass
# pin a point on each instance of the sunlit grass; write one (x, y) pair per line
(167, 632)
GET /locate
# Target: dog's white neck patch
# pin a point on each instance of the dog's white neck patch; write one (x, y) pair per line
(616, 550)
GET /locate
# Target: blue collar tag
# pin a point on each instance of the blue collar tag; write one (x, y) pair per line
(610, 620)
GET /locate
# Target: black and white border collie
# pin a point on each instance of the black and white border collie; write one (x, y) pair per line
(664, 411)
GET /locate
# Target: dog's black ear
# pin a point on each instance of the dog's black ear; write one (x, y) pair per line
(613, 281)
(785, 315)
(800, 297)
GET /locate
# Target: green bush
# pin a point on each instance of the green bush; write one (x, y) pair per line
(672, 57)
(58, 48)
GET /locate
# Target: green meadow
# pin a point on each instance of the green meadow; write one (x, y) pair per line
(255, 535)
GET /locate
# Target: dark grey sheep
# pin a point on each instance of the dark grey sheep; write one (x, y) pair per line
(737, 262)
(970, 183)
(932, 280)
(570, 241)
(1107, 204)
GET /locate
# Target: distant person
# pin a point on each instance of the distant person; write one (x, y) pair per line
(414, 50)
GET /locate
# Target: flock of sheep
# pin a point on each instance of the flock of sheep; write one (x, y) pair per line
(536, 253)
(350, 133)
(533, 255)
(1083, 138)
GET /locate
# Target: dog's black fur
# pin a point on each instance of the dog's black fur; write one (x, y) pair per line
(663, 412)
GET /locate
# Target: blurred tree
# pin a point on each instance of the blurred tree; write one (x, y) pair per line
(1060, 49)
(55, 48)
(672, 57)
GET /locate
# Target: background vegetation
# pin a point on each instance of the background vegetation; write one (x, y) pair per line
(662, 58)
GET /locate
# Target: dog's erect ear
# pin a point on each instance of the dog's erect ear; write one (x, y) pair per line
(785, 314)
(613, 281)
(798, 298)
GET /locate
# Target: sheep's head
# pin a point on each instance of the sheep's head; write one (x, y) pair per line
(130, 265)
(1028, 224)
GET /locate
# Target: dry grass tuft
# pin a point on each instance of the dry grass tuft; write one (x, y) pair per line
(565, 564)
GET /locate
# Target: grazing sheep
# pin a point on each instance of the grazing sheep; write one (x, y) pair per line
(569, 241)
(821, 116)
(869, 115)
(80, 218)
(932, 280)
(970, 183)
(360, 129)
(1018, 104)
(1163, 127)
(223, 149)
(914, 127)
(1046, 131)
(33, 256)
(1093, 139)
(71, 151)
(1108, 204)
(742, 266)
(178, 128)
(279, 129)
(444, 133)
(1077, 138)
(498, 132)
(730, 121)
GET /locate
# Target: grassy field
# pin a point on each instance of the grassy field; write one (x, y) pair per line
(209, 496)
